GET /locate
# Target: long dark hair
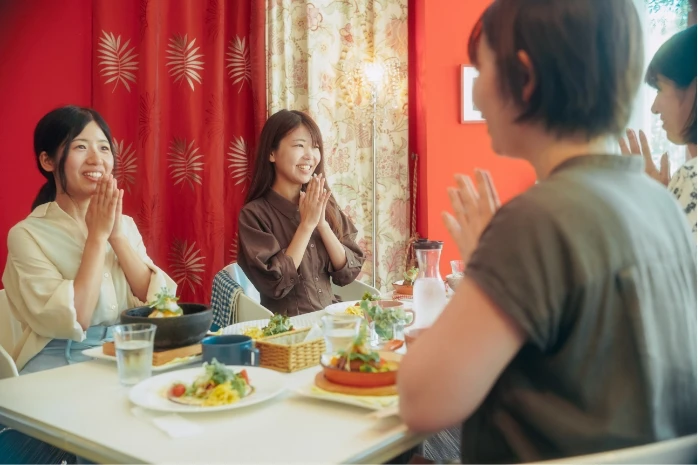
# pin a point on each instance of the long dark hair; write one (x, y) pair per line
(676, 61)
(52, 135)
(275, 129)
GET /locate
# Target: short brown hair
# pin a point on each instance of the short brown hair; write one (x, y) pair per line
(587, 56)
(676, 61)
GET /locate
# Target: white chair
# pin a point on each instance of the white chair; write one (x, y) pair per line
(239, 277)
(10, 327)
(249, 307)
(8, 368)
(353, 291)
(249, 310)
(680, 450)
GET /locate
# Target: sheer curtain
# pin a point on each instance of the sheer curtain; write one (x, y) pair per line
(318, 57)
(660, 20)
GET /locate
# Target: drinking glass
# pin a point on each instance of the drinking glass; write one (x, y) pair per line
(134, 351)
(395, 331)
(340, 331)
(458, 267)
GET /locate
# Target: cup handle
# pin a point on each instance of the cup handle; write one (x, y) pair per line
(414, 318)
(253, 357)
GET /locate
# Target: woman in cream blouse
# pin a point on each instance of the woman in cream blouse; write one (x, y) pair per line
(75, 262)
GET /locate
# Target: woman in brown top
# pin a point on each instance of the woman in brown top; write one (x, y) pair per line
(293, 235)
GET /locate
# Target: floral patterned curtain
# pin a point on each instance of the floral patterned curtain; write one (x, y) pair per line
(174, 81)
(316, 62)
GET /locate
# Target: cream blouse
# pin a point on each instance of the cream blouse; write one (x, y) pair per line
(44, 254)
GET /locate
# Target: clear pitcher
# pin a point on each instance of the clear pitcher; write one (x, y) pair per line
(429, 289)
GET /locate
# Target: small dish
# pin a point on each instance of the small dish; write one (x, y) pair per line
(402, 289)
(454, 280)
(361, 379)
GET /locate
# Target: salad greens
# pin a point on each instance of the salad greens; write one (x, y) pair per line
(218, 373)
(166, 302)
(410, 276)
(277, 324)
(384, 319)
(360, 351)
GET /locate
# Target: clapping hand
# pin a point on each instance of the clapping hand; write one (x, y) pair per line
(472, 210)
(313, 202)
(633, 147)
(101, 212)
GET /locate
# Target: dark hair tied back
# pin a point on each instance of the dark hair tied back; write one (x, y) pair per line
(53, 135)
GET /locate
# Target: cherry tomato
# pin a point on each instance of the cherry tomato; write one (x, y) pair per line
(178, 390)
(243, 373)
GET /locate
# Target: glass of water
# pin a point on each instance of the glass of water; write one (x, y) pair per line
(134, 351)
(458, 267)
(340, 331)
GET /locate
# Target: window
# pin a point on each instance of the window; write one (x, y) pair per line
(661, 19)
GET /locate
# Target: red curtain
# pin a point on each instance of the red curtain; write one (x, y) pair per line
(174, 80)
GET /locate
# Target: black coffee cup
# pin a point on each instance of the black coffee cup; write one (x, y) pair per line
(232, 349)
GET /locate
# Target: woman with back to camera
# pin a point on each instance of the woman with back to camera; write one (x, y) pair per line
(76, 261)
(574, 329)
(294, 239)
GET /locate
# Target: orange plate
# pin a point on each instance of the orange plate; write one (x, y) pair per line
(359, 379)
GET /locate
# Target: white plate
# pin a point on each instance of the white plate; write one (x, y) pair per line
(96, 352)
(149, 394)
(339, 307)
(369, 402)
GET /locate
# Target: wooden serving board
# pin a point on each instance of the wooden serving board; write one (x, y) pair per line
(323, 383)
(162, 357)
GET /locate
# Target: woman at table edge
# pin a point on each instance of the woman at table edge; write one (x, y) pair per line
(76, 261)
(672, 72)
(294, 240)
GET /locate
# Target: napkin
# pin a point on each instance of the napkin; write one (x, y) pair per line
(171, 424)
(314, 333)
(368, 401)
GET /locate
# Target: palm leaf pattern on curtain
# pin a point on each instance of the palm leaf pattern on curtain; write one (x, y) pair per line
(239, 67)
(183, 60)
(185, 162)
(117, 61)
(186, 264)
(237, 156)
(126, 165)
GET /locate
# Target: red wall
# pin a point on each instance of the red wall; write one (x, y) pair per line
(45, 51)
(45, 57)
(440, 32)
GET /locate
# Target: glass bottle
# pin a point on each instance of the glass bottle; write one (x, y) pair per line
(429, 293)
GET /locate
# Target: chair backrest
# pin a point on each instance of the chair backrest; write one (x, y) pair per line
(353, 291)
(247, 287)
(10, 328)
(249, 310)
(8, 368)
(679, 450)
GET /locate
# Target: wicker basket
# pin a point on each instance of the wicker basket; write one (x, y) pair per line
(288, 353)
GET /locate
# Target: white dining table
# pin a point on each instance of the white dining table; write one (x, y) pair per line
(84, 410)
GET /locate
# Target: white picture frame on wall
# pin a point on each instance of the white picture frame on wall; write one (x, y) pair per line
(468, 112)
